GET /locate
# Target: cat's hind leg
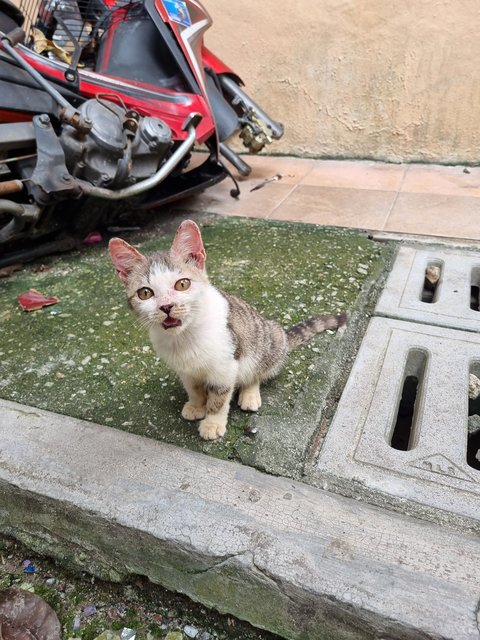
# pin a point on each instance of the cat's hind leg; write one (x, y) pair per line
(195, 408)
(214, 424)
(249, 398)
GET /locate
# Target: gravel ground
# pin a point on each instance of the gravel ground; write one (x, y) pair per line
(89, 609)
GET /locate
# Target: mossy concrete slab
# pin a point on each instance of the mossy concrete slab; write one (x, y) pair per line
(87, 357)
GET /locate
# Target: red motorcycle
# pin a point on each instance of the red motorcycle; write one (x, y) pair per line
(102, 102)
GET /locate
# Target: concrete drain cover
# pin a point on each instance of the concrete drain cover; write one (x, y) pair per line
(400, 435)
(452, 300)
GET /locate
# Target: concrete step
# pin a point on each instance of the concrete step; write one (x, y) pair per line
(297, 560)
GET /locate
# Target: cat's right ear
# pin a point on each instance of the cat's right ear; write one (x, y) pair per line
(124, 257)
(188, 245)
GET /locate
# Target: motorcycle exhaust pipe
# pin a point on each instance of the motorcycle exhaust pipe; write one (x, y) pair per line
(10, 186)
(22, 214)
(232, 88)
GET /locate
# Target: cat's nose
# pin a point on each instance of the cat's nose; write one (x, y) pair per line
(166, 308)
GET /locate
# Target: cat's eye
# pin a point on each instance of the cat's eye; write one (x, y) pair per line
(144, 293)
(183, 284)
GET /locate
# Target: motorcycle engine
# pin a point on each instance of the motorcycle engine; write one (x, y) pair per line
(121, 148)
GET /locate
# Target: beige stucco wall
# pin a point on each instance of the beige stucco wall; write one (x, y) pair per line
(396, 80)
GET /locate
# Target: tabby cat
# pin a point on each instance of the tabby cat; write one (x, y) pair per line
(213, 340)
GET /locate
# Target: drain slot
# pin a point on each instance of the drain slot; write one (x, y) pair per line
(473, 437)
(404, 435)
(431, 282)
(475, 289)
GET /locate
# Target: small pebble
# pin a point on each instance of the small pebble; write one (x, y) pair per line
(90, 610)
(190, 631)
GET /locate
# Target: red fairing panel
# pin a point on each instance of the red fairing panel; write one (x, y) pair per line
(188, 20)
(14, 116)
(146, 99)
(210, 60)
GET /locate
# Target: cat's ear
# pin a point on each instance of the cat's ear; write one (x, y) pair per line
(124, 257)
(187, 244)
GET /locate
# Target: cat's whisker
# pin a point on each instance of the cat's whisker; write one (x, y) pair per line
(145, 323)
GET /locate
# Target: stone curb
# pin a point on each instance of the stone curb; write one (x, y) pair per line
(299, 561)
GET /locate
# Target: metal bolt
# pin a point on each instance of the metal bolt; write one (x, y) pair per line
(44, 120)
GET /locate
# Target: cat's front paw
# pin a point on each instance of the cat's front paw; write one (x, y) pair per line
(212, 427)
(192, 412)
(250, 399)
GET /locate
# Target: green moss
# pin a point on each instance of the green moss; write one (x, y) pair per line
(155, 630)
(86, 356)
(91, 630)
(5, 582)
(49, 595)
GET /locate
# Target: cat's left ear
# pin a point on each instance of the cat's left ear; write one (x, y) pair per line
(124, 257)
(188, 245)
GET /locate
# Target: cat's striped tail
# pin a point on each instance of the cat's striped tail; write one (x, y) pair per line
(304, 331)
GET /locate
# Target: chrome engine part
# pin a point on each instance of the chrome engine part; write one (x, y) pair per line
(121, 148)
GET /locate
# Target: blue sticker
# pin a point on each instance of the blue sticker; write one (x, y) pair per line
(178, 12)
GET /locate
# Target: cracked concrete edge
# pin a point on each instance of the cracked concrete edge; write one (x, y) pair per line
(291, 558)
(358, 489)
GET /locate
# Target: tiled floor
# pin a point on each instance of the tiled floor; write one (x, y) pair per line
(429, 200)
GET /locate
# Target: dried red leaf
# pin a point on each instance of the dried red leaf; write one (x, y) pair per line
(34, 300)
(25, 616)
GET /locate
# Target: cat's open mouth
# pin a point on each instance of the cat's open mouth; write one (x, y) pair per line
(170, 322)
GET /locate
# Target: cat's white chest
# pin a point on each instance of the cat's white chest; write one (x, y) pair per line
(204, 349)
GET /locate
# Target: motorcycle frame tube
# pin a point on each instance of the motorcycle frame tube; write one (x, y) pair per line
(136, 189)
(44, 84)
